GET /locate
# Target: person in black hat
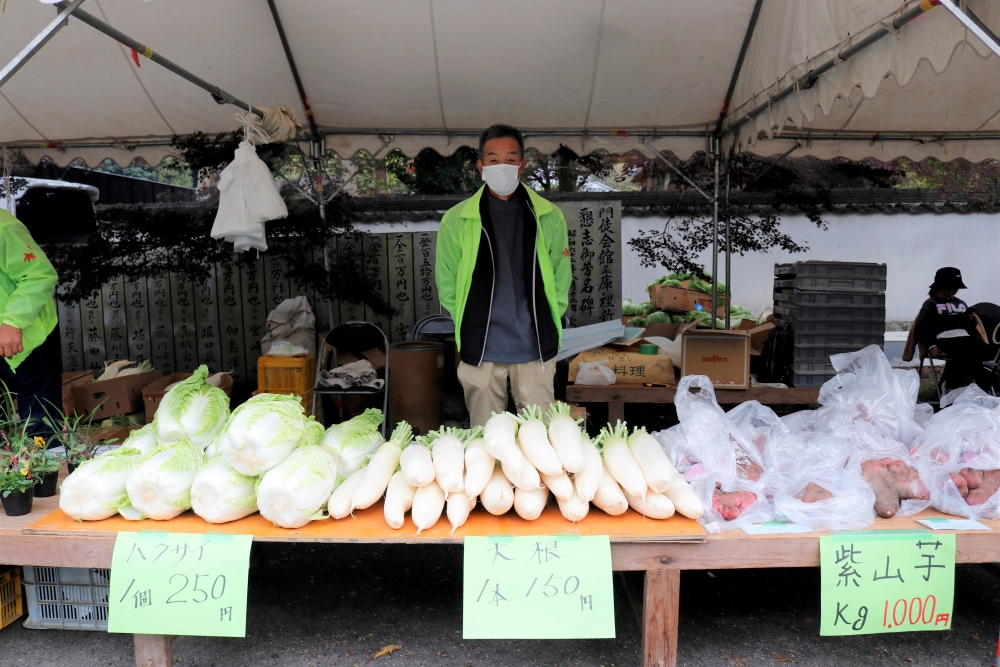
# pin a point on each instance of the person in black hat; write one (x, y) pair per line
(947, 327)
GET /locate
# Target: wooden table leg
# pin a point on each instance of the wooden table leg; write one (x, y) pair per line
(661, 611)
(616, 412)
(153, 650)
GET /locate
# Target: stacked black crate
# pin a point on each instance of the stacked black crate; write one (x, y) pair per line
(828, 308)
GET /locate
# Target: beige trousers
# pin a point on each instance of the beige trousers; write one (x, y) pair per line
(532, 383)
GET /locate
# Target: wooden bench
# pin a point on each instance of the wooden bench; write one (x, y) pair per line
(617, 395)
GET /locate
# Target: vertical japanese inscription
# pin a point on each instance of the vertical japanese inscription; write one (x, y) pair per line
(92, 310)
(377, 270)
(207, 323)
(115, 325)
(71, 333)
(424, 249)
(254, 313)
(137, 316)
(183, 314)
(401, 294)
(161, 326)
(594, 247)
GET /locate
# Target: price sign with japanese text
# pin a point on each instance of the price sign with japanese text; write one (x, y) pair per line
(538, 587)
(166, 583)
(876, 581)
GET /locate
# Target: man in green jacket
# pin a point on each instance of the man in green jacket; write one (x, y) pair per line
(29, 333)
(503, 273)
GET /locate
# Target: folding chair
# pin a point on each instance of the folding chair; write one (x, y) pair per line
(354, 338)
(913, 346)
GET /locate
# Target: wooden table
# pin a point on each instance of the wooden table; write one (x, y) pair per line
(656, 603)
(617, 395)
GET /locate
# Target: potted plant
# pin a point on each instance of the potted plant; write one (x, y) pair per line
(17, 482)
(73, 432)
(44, 466)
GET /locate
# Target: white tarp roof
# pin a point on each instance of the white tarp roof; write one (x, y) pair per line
(427, 68)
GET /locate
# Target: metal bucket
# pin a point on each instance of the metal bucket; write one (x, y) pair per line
(417, 377)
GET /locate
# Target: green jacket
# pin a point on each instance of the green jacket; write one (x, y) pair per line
(27, 286)
(460, 251)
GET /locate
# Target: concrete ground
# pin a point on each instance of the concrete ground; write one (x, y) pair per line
(337, 605)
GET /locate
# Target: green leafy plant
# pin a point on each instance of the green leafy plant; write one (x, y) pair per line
(74, 433)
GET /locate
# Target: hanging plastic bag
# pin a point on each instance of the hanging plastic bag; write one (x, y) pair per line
(248, 198)
(596, 373)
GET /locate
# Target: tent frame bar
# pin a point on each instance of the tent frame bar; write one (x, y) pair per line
(974, 24)
(221, 96)
(40, 40)
(739, 68)
(810, 78)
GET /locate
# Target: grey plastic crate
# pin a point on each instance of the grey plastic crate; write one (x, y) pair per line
(798, 298)
(833, 326)
(820, 352)
(813, 366)
(832, 269)
(814, 283)
(811, 379)
(847, 342)
(831, 313)
(67, 598)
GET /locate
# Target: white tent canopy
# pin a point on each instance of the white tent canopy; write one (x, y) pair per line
(575, 72)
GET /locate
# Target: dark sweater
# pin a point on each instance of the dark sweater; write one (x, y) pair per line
(939, 315)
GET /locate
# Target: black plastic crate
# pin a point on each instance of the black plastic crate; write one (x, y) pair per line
(799, 298)
(844, 342)
(809, 366)
(832, 269)
(833, 326)
(814, 352)
(817, 283)
(831, 313)
(811, 379)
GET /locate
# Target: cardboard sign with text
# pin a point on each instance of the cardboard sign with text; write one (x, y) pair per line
(629, 365)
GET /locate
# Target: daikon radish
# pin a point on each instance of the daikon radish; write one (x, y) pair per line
(499, 436)
(589, 478)
(533, 438)
(498, 496)
(479, 464)
(416, 464)
(654, 505)
(530, 504)
(111, 370)
(573, 509)
(398, 500)
(609, 496)
(560, 485)
(656, 467)
(460, 505)
(566, 437)
(428, 504)
(381, 467)
(340, 502)
(618, 459)
(685, 500)
(448, 453)
(529, 481)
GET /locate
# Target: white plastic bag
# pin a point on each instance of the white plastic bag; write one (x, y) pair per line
(247, 199)
(850, 505)
(596, 373)
(291, 329)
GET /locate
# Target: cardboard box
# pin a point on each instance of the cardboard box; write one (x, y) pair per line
(630, 365)
(723, 356)
(681, 300)
(117, 396)
(376, 357)
(70, 380)
(153, 393)
(758, 334)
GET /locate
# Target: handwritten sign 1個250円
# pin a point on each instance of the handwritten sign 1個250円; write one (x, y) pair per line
(886, 581)
(179, 584)
(538, 587)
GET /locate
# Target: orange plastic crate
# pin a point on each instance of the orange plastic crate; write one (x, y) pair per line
(286, 374)
(11, 598)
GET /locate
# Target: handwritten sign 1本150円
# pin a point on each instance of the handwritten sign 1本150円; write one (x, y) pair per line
(538, 587)
(876, 581)
(179, 584)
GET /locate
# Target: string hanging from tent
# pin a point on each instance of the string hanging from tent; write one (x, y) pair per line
(8, 186)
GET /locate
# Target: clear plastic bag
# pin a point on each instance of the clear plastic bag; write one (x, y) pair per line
(946, 496)
(825, 499)
(868, 389)
(718, 458)
(596, 373)
(759, 422)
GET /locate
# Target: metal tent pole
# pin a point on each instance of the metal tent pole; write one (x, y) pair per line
(715, 235)
(739, 67)
(221, 96)
(810, 78)
(729, 255)
(39, 41)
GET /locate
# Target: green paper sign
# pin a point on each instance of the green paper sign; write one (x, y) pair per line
(166, 583)
(876, 581)
(538, 587)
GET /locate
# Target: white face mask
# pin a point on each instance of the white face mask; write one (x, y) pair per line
(502, 178)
